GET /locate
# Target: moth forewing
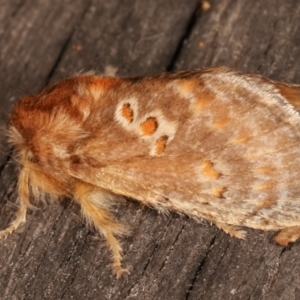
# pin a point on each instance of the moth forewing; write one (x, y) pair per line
(213, 144)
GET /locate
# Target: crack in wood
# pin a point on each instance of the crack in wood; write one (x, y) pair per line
(42, 259)
(172, 247)
(272, 274)
(186, 34)
(17, 9)
(8, 158)
(201, 264)
(149, 259)
(237, 35)
(76, 269)
(60, 56)
(65, 45)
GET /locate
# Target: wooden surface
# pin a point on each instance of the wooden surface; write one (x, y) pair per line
(53, 255)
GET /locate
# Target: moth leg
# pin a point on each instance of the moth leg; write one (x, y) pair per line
(24, 204)
(287, 235)
(233, 231)
(94, 208)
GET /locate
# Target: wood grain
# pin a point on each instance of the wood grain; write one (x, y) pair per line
(53, 255)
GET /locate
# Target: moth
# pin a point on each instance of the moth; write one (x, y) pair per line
(212, 144)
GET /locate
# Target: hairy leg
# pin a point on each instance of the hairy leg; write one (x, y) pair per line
(232, 230)
(24, 204)
(95, 208)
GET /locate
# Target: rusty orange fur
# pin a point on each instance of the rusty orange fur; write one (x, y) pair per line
(213, 144)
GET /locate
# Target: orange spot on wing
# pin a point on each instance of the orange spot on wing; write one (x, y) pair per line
(264, 170)
(208, 170)
(241, 139)
(149, 126)
(187, 86)
(203, 99)
(218, 192)
(265, 186)
(105, 83)
(252, 155)
(98, 85)
(220, 123)
(161, 144)
(127, 112)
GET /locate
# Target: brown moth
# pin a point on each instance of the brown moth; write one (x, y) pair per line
(213, 144)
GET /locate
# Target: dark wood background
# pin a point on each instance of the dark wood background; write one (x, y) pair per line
(53, 255)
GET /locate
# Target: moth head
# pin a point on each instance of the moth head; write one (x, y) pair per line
(21, 127)
(18, 142)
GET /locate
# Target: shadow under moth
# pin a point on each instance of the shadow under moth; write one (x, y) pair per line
(213, 144)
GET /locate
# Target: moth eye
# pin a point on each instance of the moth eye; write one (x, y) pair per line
(149, 126)
(127, 112)
(161, 144)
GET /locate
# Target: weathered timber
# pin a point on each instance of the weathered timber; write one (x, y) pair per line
(54, 255)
